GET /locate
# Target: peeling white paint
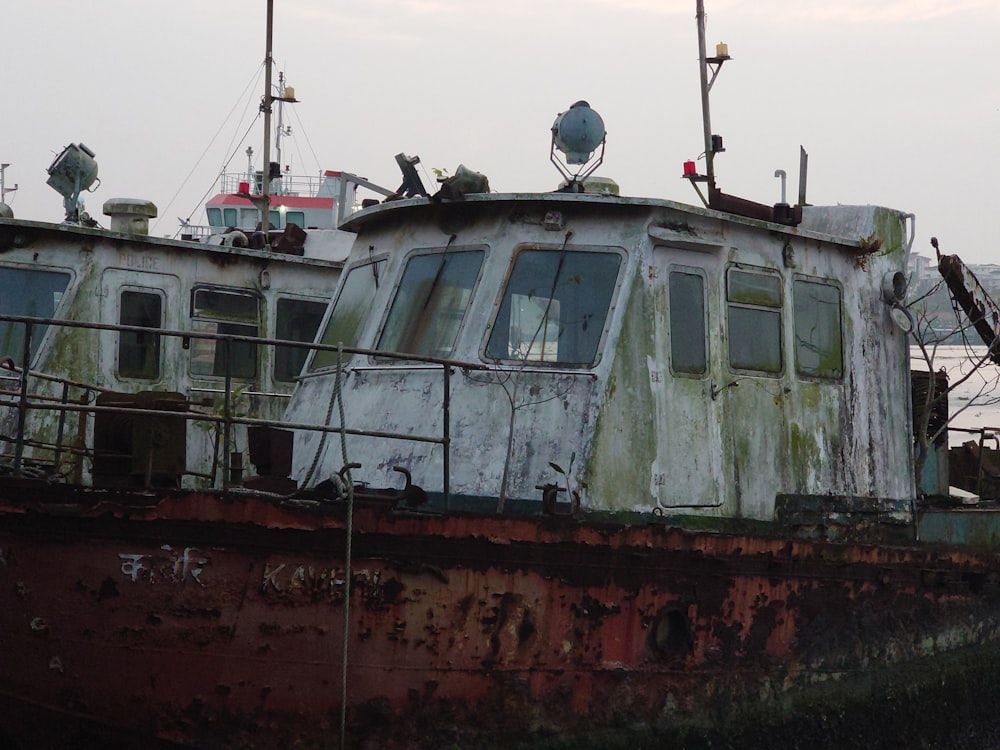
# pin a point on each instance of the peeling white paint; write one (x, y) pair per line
(723, 442)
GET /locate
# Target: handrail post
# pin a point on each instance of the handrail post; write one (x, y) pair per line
(22, 402)
(979, 471)
(447, 435)
(226, 413)
(62, 426)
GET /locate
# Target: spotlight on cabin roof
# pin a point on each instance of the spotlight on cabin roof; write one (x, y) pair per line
(71, 172)
(578, 132)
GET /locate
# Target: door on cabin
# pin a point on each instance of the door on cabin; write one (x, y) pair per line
(140, 360)
(688, 468)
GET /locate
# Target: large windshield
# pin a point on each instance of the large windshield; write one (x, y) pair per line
(29, 292)
(352, 308)
(555, 307)
(430, 303)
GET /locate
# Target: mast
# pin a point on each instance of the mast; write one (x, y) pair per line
(280, 130)
(706, 116)
(265, 105)
(713, 143)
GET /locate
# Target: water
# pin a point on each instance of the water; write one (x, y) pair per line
(973, 403)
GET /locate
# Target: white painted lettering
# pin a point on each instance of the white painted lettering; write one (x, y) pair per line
(140, 262)
(176, 566)
(132, 566)
(271, 577)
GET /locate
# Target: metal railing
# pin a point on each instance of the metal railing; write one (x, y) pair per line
(306, 185)
(25, 402)
(983, 434)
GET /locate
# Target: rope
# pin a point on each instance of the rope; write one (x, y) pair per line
(163, 214)
(326, 423)
(347, 552)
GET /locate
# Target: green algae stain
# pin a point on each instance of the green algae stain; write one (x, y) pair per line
(804, 450)
(624, 445)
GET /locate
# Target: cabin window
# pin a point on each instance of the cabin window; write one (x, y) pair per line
(350, 311)
(295, 217)
(214, 217)
(554, 307)
(33, 293)
(296, 320)
(818, 331)
(687, 323)
(754, 301)
(274, 219)
(139, 352)
(229, 217)
(224, 311)
(249, 218)
(430, 303)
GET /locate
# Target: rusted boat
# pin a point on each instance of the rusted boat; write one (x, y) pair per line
(561, 470)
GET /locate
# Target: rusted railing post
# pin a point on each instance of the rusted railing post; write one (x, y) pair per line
(22, 402)
(62, 426)
(979, 469)
(447, 435)
(226, 414)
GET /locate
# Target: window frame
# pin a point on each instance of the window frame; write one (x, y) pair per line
(383, 258)
(157, 339)
(761, 307)
(39, 337)
(613, 298)
(278, 349)
(400, 275)
(702, 274)
(193, 319)
(833, 284)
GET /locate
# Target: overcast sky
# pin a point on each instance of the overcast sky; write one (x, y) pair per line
(896, 101)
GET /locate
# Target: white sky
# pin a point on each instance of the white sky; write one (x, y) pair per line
(896, 101)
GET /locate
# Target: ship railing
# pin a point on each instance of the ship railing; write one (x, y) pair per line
(11, 373)
(986, 469)
(197, 232)
(289, 184)
(24, 400)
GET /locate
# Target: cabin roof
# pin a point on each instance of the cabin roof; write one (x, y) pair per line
(9, 238)
(841, 224)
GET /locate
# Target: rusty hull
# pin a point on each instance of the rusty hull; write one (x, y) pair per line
(469, 630)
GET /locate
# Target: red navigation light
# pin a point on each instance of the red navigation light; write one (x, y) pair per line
(244, 187)
(689, 169)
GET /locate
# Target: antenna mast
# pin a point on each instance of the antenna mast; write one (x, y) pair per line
(713, 143)
(265, 105)
(706, 115)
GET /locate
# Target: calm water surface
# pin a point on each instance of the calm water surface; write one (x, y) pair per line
(975, 403)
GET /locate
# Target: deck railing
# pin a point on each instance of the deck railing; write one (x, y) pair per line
(25, 393)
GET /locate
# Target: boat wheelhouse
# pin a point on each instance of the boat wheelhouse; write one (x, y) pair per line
(122, 291)
(664, 356)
